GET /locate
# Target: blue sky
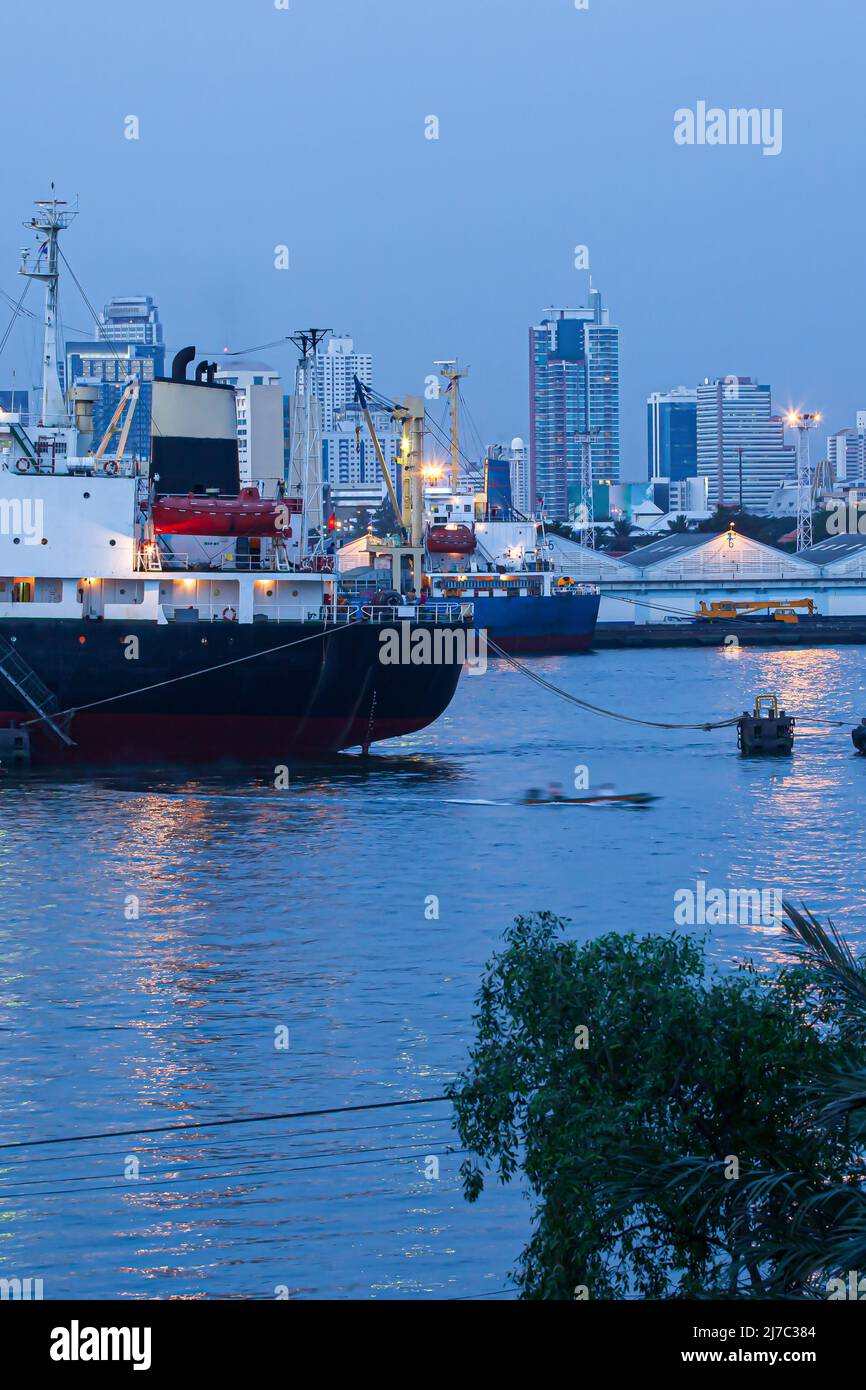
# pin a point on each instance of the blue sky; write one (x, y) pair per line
(305, 127)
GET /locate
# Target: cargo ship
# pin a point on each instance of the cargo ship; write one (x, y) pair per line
(120, 642)
(468, 547)
(500, 568)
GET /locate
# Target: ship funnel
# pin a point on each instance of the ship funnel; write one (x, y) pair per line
(181, 362)
(194, 433)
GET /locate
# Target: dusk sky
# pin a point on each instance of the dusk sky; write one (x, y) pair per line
(261, 126)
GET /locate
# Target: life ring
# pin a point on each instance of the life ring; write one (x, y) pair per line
(22, 465)
(230, 615)
(111, 468)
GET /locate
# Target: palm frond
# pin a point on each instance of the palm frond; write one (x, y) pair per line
(828, 951)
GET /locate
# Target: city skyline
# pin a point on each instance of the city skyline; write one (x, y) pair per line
(133, 322)
(698, 249)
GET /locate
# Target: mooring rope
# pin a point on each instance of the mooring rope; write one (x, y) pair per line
(190, 675)
(599, 709)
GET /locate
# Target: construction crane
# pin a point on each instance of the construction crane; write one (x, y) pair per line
(781, 610)
(409, 510)
(361, 398)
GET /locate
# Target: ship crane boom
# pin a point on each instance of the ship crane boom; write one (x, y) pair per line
(361, 397)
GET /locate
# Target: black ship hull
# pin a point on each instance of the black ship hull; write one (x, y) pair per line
(218, 691)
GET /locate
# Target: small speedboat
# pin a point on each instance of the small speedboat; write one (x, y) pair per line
(538, 798)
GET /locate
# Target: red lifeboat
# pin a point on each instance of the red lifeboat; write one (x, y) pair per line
(451, 538)
(249, 514)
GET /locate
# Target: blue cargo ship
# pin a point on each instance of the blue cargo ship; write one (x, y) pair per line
(479, 552)
(524, 612)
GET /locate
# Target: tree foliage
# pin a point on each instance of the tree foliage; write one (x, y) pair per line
(668, 1120)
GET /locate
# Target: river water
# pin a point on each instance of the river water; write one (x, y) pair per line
(180, 946)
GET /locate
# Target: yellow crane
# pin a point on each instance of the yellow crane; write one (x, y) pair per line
(780, 610)
(127, 402)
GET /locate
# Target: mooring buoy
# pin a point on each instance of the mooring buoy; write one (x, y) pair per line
(768, 730)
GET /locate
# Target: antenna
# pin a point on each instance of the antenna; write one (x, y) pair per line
(586, 439)
(803, 421)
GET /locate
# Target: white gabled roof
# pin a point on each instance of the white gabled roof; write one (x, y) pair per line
(842, 556)
(581, 560)
(724, 556)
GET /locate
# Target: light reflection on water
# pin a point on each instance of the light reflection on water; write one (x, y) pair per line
(306, 909)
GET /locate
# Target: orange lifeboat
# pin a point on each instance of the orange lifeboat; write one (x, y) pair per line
(451, 538)
(249, 514)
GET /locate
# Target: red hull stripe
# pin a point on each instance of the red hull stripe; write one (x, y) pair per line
(147, 738)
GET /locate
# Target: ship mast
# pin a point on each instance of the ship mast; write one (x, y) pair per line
(306, 444)
(52, 217)
(453, 375)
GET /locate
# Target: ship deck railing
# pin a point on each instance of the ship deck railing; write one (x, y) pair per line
(434, 614)
(242, 564)
(231, 564)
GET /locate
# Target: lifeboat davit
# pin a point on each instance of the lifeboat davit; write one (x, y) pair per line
(249, 514)
(451, 538)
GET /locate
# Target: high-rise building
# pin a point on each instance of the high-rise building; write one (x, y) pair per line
(349, 456)
(574, 390)
(846, 452)
(131, 318)
(672, 434)
(516, 455)
(521, 489)
(259, 402)
(349, 459)
(127, 343)
(337, 365)
(741, 443)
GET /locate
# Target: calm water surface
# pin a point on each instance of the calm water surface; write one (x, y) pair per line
(305, 910)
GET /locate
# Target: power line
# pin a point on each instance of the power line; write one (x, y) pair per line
(218, 1124)
(14, 318)
(159, 1160)
(146, 1183)
(190, 675)
(153, 1153)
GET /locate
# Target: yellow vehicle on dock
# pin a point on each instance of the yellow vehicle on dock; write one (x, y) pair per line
(780, 610)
